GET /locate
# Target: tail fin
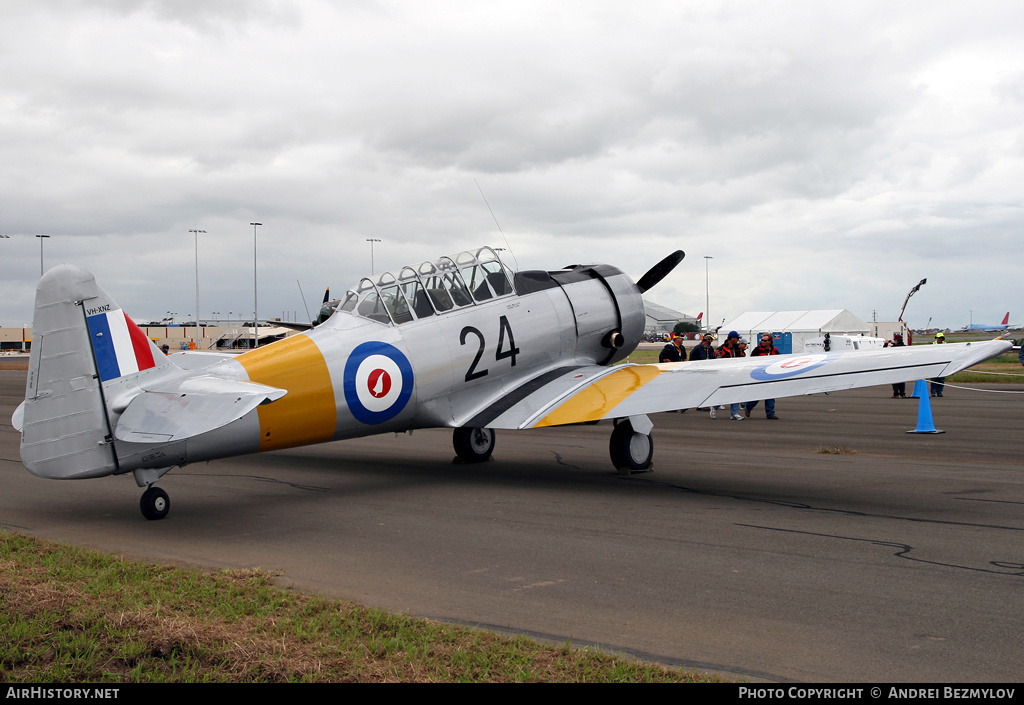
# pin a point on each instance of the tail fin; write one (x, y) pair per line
(84, 347)
(1006, 319)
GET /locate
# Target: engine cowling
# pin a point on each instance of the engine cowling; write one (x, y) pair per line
(608, 310)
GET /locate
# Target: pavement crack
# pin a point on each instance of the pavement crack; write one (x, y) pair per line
(835, 510)
(558, 459)
(904, 550)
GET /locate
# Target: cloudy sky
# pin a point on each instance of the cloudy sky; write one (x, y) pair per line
(827, 155)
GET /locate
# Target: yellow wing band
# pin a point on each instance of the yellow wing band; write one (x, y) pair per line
(595, 400)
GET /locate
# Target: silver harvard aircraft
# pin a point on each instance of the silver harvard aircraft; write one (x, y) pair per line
(460, 342)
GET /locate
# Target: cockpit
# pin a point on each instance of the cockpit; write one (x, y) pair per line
(431, 288)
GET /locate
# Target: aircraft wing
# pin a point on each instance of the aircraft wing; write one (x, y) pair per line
(590, 393)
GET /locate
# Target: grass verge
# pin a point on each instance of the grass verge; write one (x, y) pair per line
(71, 615)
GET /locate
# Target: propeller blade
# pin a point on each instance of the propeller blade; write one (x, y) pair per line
(659, 271)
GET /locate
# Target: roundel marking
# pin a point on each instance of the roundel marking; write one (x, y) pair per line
(790, 367)
(378, 382)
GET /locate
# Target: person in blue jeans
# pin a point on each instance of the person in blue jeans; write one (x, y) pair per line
(734, 409)
(767, 347)
(729, 349)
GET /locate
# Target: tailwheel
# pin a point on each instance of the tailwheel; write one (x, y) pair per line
(630, 451)
(473, 445)
(154, 503)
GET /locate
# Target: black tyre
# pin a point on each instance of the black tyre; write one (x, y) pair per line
(473, 445)
(154, 503)
(630, 451)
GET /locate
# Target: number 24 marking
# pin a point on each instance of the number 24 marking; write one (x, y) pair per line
(499, 354)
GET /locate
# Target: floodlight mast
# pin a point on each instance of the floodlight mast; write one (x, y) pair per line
(707, 296)
(372, 240)
(255, 291)
(196, 232)
(41, 252)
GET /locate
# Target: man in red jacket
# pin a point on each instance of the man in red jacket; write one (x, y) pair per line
(767, 347)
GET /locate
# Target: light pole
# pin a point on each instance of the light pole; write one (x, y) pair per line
(371, 240)
(707, 296)
(41, 253)
(255, 290)
(196, 232)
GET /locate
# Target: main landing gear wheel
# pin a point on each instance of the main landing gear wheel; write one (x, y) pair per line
(154, 503)
(473, 445)
(630, 451)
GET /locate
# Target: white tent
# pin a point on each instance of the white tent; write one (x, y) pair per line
(802, 325)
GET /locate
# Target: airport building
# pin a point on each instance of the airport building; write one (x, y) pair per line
(15, 339)
(218, 336)
(213, 337)
(661, 320)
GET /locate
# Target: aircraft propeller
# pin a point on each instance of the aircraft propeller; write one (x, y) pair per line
(659, 271)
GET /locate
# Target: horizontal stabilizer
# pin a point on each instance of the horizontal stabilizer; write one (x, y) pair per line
(189, 408)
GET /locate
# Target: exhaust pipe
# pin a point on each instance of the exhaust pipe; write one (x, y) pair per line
(613, 339)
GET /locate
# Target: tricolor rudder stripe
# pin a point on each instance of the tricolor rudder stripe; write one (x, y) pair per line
(120, 346)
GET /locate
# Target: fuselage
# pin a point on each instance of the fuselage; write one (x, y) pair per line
(424, 347)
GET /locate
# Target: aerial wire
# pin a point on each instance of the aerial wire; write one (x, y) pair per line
(497, 223)
(304, 302)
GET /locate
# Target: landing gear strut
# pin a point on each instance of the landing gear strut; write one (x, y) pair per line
(630, 451)
(154, 503)
(473, 445)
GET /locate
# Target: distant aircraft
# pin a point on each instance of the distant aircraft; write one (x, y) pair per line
(990, 327)
(459, 342)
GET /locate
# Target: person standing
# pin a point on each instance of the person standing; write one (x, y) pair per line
(741, 351)
(673, 350)
(938, 384)
(899, 390)
(766, 347)
(704, 351)
(742, 344)
(730, 348)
